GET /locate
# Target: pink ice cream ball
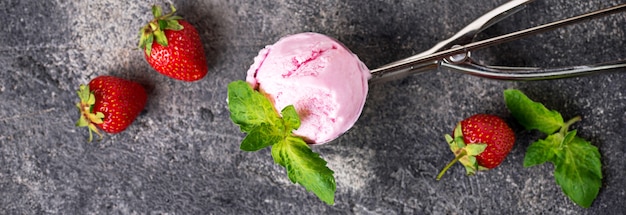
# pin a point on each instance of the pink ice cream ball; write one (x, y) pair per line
(317, 74)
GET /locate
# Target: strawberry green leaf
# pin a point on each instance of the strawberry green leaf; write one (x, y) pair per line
(449, 138)
(305, 168)
(173, 10)
(83, 93)
(96, 118)
(92, 128)
(579, 171)
(469, 158)
(85, 107)
(157, 11)
(464, 153)
(173, 25)
(475, 148)
(249, 108)
(92, 99)
(470, 164)
(145, 33)
(260, 137)
(453, 144)
(148, 44)
(457, 142)
(153, 26)
(458, 135)
(530, 114)
(82, 122)
(160, 37)
(175, 18)
(543, 150)
(290, 117)
(162, 24)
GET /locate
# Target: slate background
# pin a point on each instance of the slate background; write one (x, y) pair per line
(181, 155)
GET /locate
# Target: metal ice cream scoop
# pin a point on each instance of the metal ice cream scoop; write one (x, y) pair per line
(455, 52)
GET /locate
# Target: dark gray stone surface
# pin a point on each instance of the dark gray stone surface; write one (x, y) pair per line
(181, 155)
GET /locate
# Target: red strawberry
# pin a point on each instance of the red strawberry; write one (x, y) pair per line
(480, 142)
(109, 103)
(178, 52)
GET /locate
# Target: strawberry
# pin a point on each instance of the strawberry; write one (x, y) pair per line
(480, 142)
(178, 52)
(109, 103)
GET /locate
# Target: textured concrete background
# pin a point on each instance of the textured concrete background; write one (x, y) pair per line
(181, 155)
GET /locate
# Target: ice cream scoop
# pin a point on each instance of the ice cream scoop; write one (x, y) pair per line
(317, 74)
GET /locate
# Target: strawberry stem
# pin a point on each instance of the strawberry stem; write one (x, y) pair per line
(457, 158)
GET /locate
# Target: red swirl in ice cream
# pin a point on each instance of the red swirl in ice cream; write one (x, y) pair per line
(317, 74)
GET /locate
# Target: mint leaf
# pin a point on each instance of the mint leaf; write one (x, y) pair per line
(543, 150)
(305, 167)
(569, 137)
(290, 117)
(579, 171)
(260, 137)
(249, 108)
(256, 116)
(530, 114)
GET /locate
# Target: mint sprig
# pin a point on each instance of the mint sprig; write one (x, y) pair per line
(256, 116)
(578, 169)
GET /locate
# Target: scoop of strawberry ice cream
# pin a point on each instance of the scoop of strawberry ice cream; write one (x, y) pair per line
(317, 74)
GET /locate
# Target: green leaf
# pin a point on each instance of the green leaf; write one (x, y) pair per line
(92, 99)
(468, 156)
(569, 137)
(82, 122)
(291, 118)
(579, 171)
(456, 143)
(458, 131)
(92, 128)
(157, 11)
(173, 25)
(452, 144)
(149, 41)
(153, 26)
(143, 39)
(175, 18)
(449, 139)
(160, 37)
(249, 108)
(475, 148)
(530, 114)
(543, 150)
(305, 168)
(95, 118)
(260, 137)
(162, 24)
(83, 93)
(470, 164)
(173, 9)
